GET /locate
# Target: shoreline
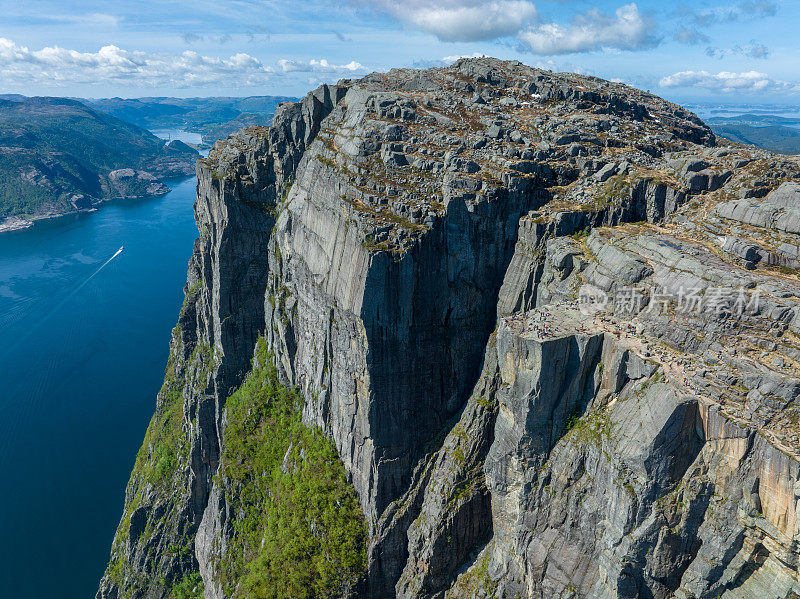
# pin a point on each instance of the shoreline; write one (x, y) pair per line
(13, 223)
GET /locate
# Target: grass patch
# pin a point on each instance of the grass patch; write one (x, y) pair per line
(476, 581)
(299, 531)
(190, 587)
(163, 443)
(155, 481)
(592, 427)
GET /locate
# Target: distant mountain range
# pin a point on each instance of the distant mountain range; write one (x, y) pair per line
(58, 156)
(213, 118)
(775, 133)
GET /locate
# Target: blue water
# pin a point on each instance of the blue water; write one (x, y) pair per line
(707, 111)
(81, 360)
(186, 137)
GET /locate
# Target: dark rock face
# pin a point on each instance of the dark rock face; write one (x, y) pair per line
(413, 246)
(602, 474)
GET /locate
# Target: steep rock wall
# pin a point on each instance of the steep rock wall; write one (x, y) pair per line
(412, 245)
(212, 346)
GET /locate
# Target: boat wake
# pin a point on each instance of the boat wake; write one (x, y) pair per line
(63, 301)
(102, 266)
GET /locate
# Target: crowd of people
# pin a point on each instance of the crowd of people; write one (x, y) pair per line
(540, 321)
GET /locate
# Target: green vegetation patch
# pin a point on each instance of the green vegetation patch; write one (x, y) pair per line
(592, 427)
(56, 155)
(299, 532)
(612, 190)
(476, 581)
(190, 587)
(777, 138)
(164, 441)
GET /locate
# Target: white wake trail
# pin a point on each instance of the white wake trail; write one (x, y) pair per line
(63, 301)
(102, 266)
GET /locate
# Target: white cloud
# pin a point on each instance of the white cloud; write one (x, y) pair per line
(54, 66)
(690, 19)
(758, 8)
(627, 29)
(757, 51)
(727, 82)
(451, 59)
(744, 11)
(94, 20)
(465, 20)
(444, 61)
(288, 66)
(478, 20)
(191, 38)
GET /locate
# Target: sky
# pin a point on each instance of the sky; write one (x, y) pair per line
(728, 52)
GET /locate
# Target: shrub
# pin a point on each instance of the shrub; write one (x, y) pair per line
(299, 531)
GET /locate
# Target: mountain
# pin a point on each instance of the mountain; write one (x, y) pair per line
(58, 156)
(755, 120)
(775, 133)
(213, 118)
(777, 138)
(478, 331)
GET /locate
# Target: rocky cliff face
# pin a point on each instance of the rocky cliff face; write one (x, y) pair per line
(548, 322)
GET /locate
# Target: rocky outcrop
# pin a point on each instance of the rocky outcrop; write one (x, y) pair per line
(560, 441)
(778, 210)
(128, 183)
(239, 187)
(539, 317)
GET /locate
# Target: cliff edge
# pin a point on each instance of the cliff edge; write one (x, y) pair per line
(538, 333)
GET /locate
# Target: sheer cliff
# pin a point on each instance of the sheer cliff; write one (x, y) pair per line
(478, 331)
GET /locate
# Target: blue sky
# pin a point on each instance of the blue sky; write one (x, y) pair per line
(732, 52)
